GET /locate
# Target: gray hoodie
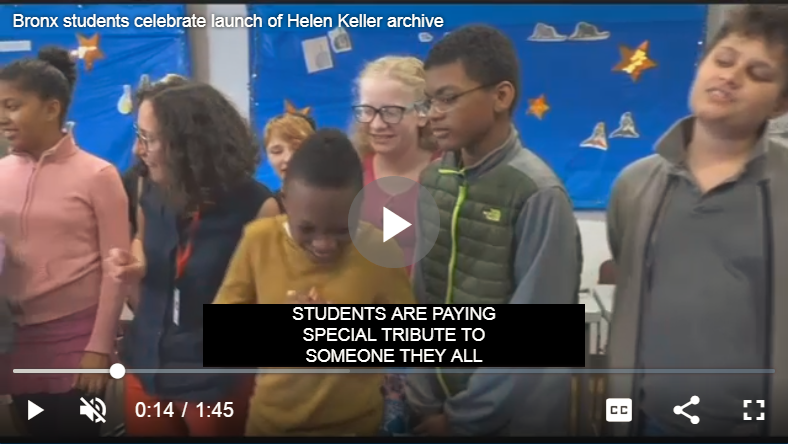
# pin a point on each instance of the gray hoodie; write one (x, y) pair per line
(633, 208)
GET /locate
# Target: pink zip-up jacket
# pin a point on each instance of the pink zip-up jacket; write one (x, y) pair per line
(60, 216)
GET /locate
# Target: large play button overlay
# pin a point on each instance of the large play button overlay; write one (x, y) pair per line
(390, 204)
(392, 224)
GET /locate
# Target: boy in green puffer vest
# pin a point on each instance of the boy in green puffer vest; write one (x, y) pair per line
(507, 236)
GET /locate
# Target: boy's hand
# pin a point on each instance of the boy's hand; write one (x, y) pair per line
(310, 297)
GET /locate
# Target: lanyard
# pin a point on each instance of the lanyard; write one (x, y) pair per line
(183, 254)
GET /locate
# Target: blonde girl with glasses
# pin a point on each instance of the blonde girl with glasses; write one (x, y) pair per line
(392, 135)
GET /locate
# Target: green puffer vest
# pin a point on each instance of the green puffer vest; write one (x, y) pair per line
(472, 259)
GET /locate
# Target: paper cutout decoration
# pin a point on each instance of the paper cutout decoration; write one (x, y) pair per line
(88, 50)
(598, 138)
(16, 45)
(627, 128)
(635, 61)
(317, 55)
(340, 40)
(586, 32)
(291, 109)
(425, 37)
(125, 103)
(546, 33)
(144, 83)
(538, 107)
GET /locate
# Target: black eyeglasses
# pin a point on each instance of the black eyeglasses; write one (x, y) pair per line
(447, 103)
(143, 140)
(390, 114)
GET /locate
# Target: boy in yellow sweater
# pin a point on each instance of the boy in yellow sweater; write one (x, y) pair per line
(307, 255)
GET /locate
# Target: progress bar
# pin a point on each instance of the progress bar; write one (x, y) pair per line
(117, 371)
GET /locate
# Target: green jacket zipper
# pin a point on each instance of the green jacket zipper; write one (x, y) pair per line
(462, 190)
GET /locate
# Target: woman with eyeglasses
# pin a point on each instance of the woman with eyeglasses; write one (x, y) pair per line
(62, 210)
(282, 136)
(392, 136)
(201, 158)
(134, 179)
(136, 184)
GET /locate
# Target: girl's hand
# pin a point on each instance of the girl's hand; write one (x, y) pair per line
(93, 384)
(124, 267)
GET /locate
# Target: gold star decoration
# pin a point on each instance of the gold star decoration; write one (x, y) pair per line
(538, 107)
(291, 109)
(88, 50)
(635, 61)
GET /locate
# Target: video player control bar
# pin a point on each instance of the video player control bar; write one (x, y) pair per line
(117, 371)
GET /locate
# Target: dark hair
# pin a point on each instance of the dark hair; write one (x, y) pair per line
(138, 168)
(487, 55)
(209, 147)
(326, 159)
(51, 75)
(766, 22)
(152, 89)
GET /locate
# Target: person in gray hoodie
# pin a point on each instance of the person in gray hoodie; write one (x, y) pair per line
(699, 235)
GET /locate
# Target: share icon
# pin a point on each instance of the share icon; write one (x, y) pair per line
(679, 410)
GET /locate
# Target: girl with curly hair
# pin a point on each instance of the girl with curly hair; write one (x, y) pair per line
(201, 159)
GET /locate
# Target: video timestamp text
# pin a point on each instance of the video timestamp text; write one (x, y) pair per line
(171, 409)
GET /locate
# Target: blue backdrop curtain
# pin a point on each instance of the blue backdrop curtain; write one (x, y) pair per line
(113, 62)
(600, 83)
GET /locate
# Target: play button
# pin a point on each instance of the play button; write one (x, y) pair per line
(390, 204)
(33, 410)
(392, 224)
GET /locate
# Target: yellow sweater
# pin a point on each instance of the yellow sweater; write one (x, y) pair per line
(266, 265)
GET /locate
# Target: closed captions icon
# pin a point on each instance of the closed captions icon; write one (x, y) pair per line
(618, 410)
